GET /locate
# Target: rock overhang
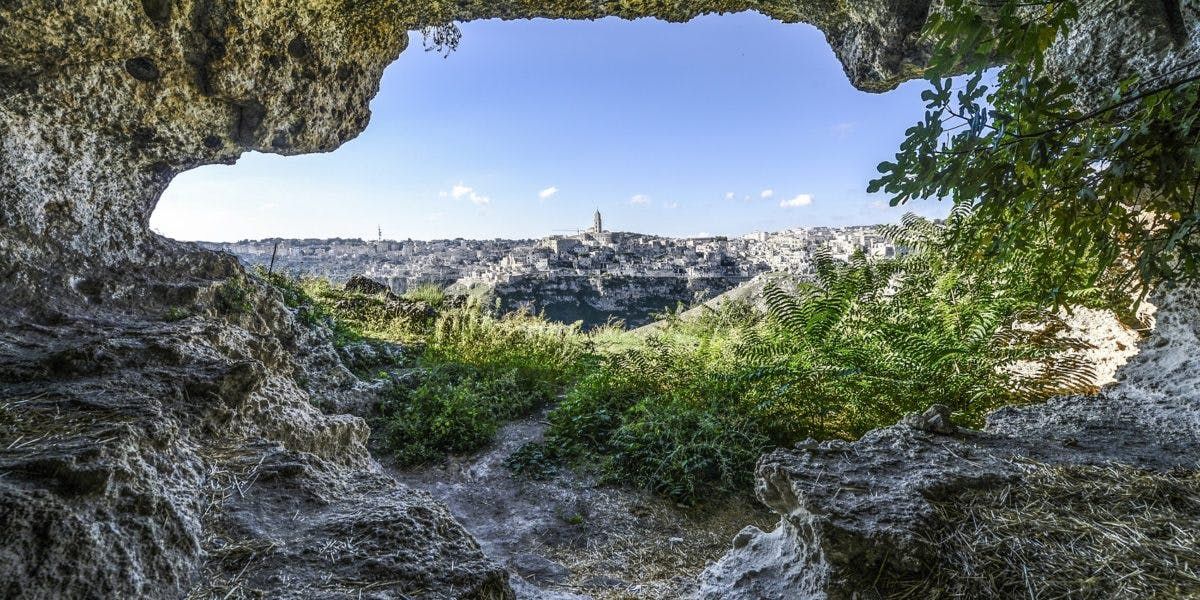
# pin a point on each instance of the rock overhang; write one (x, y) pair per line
(103, 102)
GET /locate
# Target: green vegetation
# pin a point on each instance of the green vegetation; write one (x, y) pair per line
(467, 371)
(1092, 188)
(232, 297)
(1058, 203)
(429, 293)
(477, 371)
(687, 410)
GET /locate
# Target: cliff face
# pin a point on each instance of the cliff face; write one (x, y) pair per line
(595, 300)
(157, 435)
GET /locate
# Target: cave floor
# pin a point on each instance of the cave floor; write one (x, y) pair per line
(570, 537)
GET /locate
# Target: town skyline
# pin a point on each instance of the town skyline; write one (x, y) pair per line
(593, 274)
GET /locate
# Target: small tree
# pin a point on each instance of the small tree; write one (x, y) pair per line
(1078, 194)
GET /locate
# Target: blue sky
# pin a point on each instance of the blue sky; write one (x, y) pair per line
(725, 125)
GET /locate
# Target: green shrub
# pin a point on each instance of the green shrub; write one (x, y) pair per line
(685, 452)
(176, 313)
(429, 293)
(535, 460)
(233, 297)
(595, 408)
(547, 356)
(448, 411)
(686, 411)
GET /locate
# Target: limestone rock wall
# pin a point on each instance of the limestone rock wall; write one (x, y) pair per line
(159, 439)
(102, 103)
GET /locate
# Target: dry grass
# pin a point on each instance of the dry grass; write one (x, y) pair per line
(32, 424)
(664, 556)
(1070, 532)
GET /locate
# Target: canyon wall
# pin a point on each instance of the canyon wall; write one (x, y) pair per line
(636, 301)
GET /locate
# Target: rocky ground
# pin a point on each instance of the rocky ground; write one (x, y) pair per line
(159, 439)
(569, 537)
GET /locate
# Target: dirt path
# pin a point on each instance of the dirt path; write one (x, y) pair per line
(570, 538)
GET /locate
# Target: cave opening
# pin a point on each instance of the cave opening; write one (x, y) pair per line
(173, 424)
(678, 129)
(722, 126)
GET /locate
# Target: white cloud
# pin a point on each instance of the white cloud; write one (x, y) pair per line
(767, 194)
(841, 130)
(798, 201)
(672, 205)
(548, 193)
(640, 199)
(461, 191)
(729, 195)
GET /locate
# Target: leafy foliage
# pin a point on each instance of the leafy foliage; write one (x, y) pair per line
(473, 370)
(232, 297)
(1076, 186)
(451, 409)
(687, 411)
(476, 372)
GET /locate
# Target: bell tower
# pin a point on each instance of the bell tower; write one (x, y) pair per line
(597, 223)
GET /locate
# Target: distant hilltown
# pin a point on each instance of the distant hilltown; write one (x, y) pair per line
(592, 276)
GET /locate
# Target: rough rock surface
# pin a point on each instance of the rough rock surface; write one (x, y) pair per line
(158, 438)
(156, 422)
(853, 512)
(1158, 42)
(158, 435)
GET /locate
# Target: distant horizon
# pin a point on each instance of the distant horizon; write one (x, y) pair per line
(526, 239)
(725, 125)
